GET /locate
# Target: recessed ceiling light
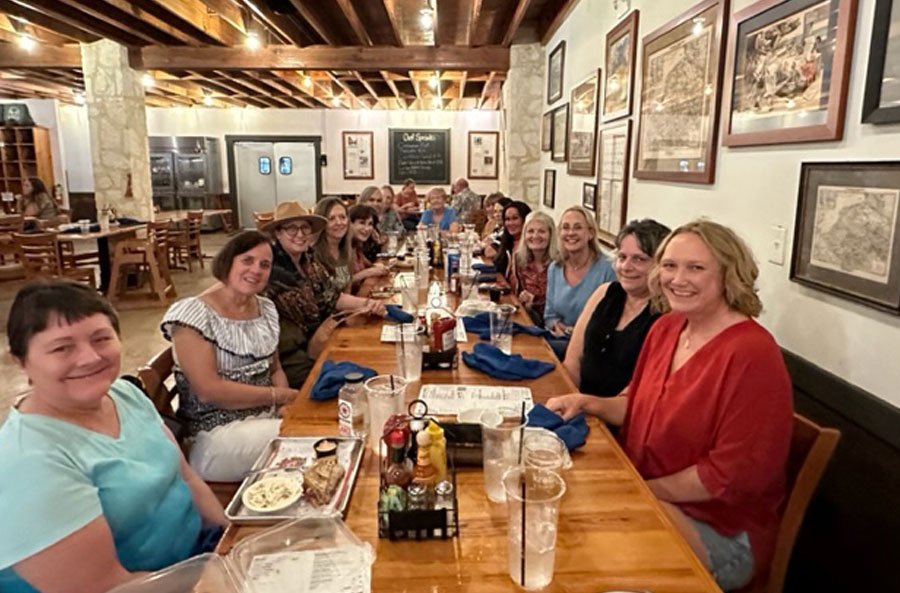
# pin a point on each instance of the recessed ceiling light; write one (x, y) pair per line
(78, 97)
(434, 81)
(426, 18)
(253, 41)
(697, 29)
(336, 101)
(208, 100)
(27, 42)
(307, 80)
(147, 80)
(437, 103)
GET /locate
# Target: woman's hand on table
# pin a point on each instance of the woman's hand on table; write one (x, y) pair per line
(284, 395)
(375, 307)
(560, 329)
(568, 406)
(526, 298)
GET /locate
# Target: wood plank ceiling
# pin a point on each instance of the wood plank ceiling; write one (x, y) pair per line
(358, 53)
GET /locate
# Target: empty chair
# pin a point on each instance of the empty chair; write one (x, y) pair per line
(41, 257)
(185, 244)
(139, 256)
(9, 224)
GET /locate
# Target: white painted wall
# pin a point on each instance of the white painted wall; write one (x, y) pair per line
(44, 113)
(755, 189)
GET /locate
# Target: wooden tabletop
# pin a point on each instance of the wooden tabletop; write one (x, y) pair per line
(613, 534)
(177, 215)
(113, 231)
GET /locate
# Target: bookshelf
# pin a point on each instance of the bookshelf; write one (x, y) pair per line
(24, 152)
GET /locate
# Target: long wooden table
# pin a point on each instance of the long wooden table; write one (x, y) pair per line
(613, 534)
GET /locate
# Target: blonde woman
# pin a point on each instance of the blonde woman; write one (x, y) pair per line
(332, 248)
(572, 280)
(707, 417)
(528, 274)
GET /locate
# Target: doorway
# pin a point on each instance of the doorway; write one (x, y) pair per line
(266, 170)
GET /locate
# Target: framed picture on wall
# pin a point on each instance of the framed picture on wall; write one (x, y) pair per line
(358, 161)
(621, 51)
(589, 196)
(582, 145)
(881, 103)
(788, 69)
(547, 132)
(483, 148)
(612, 180)
(847, 238)
(680, 80)
(550, 188)
(560, 133)
(555, 68)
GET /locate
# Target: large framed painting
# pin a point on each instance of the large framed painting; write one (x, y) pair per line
(881, 103)
(550, 188)
(556, 63)
(560, 133)
(612, 180)
(621, 51)
(582, 146)
(788, 68)
(483, 147)
(847, 240)
(681, 77)
(547, 132)
(358, 155)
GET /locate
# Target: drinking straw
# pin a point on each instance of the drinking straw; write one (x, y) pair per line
(392, 381)
(522, 488)
(402, 354)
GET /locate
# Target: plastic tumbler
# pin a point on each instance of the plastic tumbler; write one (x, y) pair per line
(501, 430)
(532, 498)
(385, 395)
(543, 450)
(409, 351)
(502, 327)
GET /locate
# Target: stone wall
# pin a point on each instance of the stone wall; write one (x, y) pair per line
(522, 103)
(118, 126)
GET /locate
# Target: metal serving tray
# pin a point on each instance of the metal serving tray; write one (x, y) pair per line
(349, 453)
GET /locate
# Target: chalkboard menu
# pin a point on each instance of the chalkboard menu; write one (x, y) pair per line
(420, 155)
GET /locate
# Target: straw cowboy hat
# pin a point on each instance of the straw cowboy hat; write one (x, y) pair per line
(287, 212)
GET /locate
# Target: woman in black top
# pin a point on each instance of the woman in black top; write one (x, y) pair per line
(611, 329)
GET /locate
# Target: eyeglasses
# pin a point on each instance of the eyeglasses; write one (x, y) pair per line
(292, 229)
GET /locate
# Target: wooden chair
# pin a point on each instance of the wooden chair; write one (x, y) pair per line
(9, 224)
(811, 449)
(186, 244)
(223, 203)
(139, 256)
(41, 257)
(154, 375)
(262, 219)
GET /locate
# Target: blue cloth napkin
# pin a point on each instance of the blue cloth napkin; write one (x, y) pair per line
(331, 378)
(488, 359)
(481, 324)
(486, 268)
(573, 433)
(397, 314)
(127, 221)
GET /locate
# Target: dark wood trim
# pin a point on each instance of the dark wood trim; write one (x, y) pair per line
(628, 26)
(44, 56)
(871, 112)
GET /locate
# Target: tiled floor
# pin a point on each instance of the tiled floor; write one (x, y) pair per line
(141, 338)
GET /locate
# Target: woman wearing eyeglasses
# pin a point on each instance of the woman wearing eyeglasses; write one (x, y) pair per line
(303, 292)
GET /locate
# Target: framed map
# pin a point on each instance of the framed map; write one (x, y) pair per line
(582, 146)
(881, 104)
(612, 180)
(621, 50)
(483, 155)
(846, 238)
(550, 188)
(680, 82)
(358, 155)
(788, 71)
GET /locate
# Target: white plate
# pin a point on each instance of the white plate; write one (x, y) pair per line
(272, 493)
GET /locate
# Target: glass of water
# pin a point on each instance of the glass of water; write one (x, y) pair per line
(409, 351)
(532, 542)
(502, 327)
(501, 430)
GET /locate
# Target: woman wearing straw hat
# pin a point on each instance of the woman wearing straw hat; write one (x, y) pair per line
(302, 291)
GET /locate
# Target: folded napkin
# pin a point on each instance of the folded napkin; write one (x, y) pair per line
(487, 358)
(573, 433)
(481, 324)
(127, 221)
(94, 228)
(396, 314)
(486, 268)
(331, 378)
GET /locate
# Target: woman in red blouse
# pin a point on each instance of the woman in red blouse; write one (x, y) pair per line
(528, 270)
(707, 417)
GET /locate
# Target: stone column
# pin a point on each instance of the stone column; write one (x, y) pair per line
(118, 126)
(522, 102)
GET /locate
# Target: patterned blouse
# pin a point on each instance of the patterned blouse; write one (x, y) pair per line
(245, 350)
(532, 278)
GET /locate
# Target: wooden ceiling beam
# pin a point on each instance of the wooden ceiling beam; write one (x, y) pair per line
(43, 56)
(56, 9)
(474, 17)
(235, 86)
(120, 14)
(47, 78)
(552, 16)
(515, 22)
(287, 57)
(129, 7)
(228, 11)
(194, 18)
(348, 92)
(356, 24)
(391, 85)
(294, 79)
(252, 81)
(462, 85)
(36, 17)
(281, 26)
(451, 24)
(317, 25)
(366, 84)
(285, 87)
(11, 28)
(392, 19)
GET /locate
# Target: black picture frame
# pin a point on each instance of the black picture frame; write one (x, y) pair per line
(559, 149)
(550, 188)
(589, 196)
(873, 112)
(547, 132)
(847, 234)
(556, 68)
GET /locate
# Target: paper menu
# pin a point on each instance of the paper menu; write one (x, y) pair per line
(449, 400)
(334, 570)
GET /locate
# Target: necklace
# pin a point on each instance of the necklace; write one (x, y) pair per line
(577, 267)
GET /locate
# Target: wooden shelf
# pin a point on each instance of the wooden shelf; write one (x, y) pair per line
(31, 157)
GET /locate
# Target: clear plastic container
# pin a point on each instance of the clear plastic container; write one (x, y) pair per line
(207, 573)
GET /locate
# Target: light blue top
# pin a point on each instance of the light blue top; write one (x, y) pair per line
(56, 477)
(565, 302)
(447, 219)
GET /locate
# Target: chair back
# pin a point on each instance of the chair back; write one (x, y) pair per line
(194, 224)
(39, 254)
(154, 375)
(811, 449)
(158, 231)
(12, 223)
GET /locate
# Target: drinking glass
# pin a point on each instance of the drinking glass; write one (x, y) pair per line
(501, 327)
(532, 498)
(501, 430)
(543, 450)
(409, 351)
(385, 396)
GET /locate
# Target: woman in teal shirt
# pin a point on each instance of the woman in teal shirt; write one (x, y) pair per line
(93, 488)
